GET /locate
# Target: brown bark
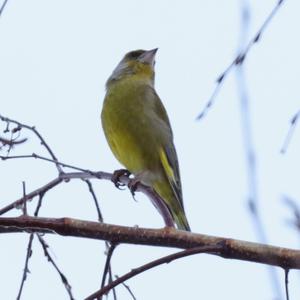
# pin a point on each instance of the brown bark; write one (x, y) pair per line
(166, 237)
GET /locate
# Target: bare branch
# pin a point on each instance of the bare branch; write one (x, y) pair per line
(3, 6)
(11, 142)
(26, 269)
(24, 206)
(286, 281)
(290, 133)
(35, 131)
(39, 205)
(29, 249)
(37, 192)
(166, 237)
(239, 59)
(128, 289)
(292, 203)
(91, 190)
(86, 174)
(110, 250)
(110, 281)
(50, 259)
(249, 147)
(152, 264)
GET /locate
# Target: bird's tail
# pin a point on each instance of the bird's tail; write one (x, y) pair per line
(164, 190)
(181, 220)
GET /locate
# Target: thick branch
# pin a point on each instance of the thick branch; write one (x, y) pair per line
(167, 237)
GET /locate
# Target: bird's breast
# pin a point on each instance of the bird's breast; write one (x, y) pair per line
(128, 128)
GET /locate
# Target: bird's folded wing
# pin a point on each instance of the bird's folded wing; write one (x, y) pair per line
(169, 162)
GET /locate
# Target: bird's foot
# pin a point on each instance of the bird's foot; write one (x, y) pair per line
(132, 185)
(116, 177)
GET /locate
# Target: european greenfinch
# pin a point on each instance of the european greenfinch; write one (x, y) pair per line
(138, 130)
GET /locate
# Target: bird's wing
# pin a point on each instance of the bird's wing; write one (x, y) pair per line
(168, 155)
(169, 162)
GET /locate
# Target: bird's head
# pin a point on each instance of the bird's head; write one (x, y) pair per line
(138, 64)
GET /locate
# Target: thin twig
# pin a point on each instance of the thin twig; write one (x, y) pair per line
(47, 254)
(287, 140)
(110, 280)
(91, 190)
(24, 207)
(152, 264)
(3, 6)
(29, 250)
(11, 142)
(35, 131)
(286, 283)
(292, 203)
(50, 259)
(39, 205)
(85, 172)
(110, 247)
(29, 196)
(249, 148)
(36, 156)
(127, 287)
(26, 269)
(239, 59)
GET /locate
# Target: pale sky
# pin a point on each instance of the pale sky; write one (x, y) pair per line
(55, 58)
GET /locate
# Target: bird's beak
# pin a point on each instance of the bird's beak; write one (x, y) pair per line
(148, 56)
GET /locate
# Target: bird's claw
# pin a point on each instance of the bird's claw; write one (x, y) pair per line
(132, 185)
(116, 178)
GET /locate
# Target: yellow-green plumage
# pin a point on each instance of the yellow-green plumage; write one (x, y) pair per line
(138, 130)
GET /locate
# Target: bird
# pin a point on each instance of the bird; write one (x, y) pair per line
(139, 133)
